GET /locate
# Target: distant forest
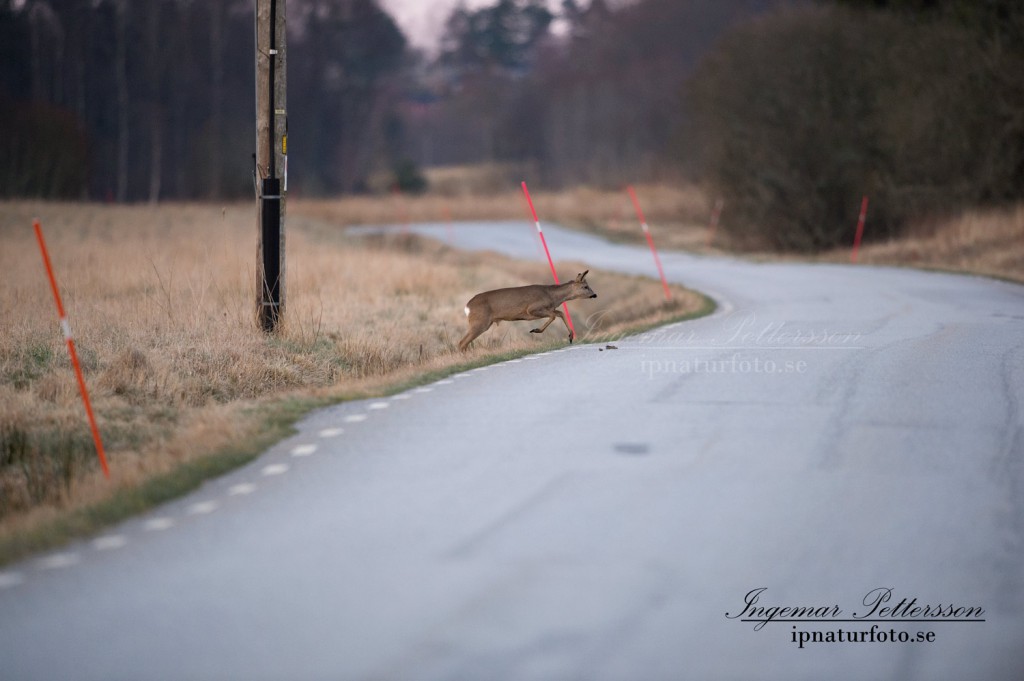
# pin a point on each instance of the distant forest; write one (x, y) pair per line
(144, 101)
(786, 108)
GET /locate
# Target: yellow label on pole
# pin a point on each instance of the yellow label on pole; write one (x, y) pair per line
(284, 144)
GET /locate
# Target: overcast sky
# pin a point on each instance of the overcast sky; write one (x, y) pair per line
(423, 20)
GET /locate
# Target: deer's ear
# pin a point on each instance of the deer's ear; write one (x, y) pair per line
(583, 276)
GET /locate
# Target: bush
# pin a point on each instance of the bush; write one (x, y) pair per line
(409, 178)
(799, 114)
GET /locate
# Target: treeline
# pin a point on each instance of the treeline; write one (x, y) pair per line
(122, 100)
(131, 101)
(134, 101)
(790, 110)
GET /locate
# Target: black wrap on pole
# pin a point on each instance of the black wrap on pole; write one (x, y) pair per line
(271, 235)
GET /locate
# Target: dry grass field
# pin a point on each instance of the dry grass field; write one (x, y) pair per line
(583, 207)
(161, 301)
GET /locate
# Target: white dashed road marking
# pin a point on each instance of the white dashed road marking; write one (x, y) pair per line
(303, 450)
(379, 405)
(159, 524)
(423, 390)
(241, 488)
(202, 508)
(275, 469)
(58, 561)
(402, 396)
(446, 381)
(330, 432)
(109, 542)
(354, 418)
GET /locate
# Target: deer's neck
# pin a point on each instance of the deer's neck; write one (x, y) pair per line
(563, 291)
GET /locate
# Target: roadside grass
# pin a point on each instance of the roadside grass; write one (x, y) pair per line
(161, 301)
(988, 242)
(582, 207)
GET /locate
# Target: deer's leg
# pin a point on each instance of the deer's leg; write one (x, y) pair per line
(555, 313)
(551, 317)
(471, 335)
(476, 327)
(566, 322)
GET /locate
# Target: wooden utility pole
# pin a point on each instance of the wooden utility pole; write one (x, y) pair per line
(271, 159)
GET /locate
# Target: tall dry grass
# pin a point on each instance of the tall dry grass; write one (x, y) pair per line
(989, 242)
(587, 207)
(161, 301)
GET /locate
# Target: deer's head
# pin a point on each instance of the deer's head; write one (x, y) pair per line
(581, 289)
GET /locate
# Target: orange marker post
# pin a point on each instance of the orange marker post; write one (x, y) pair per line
(860, 229)
(544, 243)
(716, 213)
(650, 241)
(71, 350)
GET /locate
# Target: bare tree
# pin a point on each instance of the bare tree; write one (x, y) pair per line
(156, 113)
(123, 101)
(216, 186)
(47, 39)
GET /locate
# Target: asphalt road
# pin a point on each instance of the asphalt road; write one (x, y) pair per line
(604, 514)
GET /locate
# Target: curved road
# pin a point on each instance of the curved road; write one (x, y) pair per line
(844, 442)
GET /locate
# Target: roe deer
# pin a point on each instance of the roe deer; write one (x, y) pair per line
(522, 303)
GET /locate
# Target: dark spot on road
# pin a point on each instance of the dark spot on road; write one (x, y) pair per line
(632, 448)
